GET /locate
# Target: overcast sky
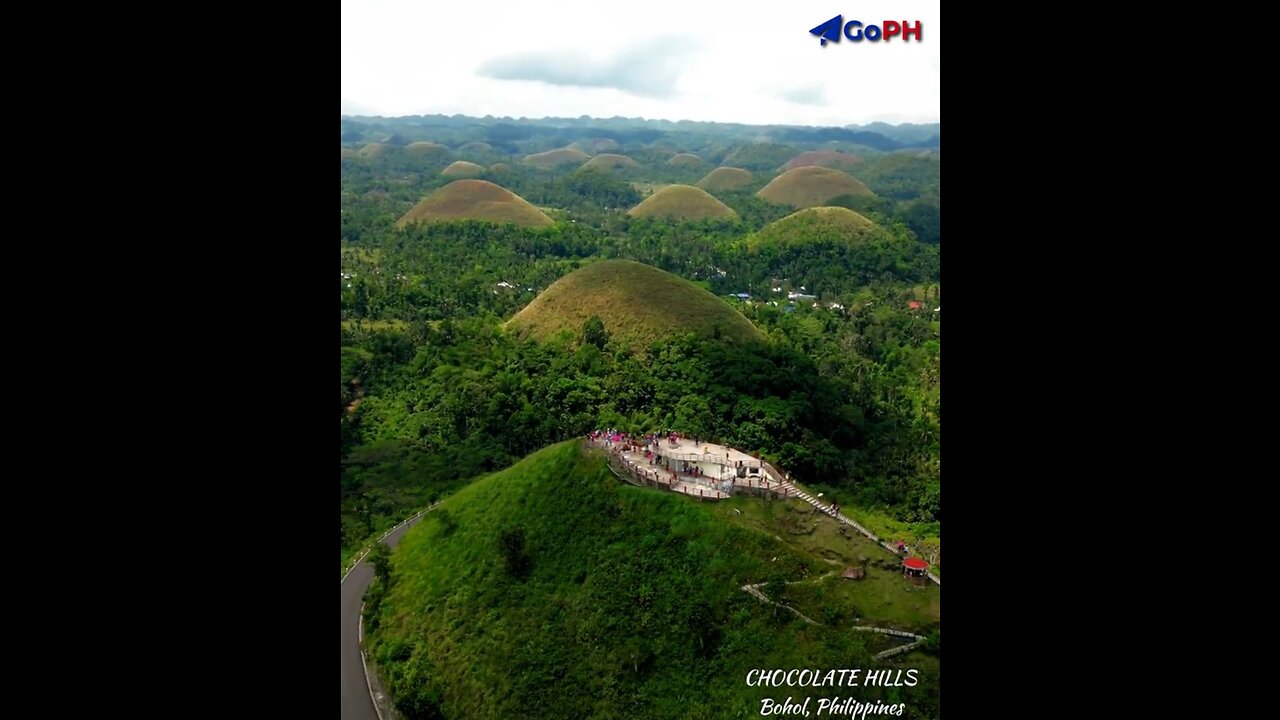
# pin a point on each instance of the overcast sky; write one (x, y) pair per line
(750, 61)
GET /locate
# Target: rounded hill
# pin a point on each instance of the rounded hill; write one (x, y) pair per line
(475, 200)
(816, 225)
(462, 169)
(476, 147)
(373, 150)
(555, 158)
(553, 570)
(682, 202)
(685, 160)
(811, 186)
(823, 158)
(603, 145)
(422, 147)
(638, 303)
(607, 162)
(726, 179)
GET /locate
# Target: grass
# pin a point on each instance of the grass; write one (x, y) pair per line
(823, 158)
(423, 147)
(475, 200)
(609, 161)
(918, 536)
(882, 599)
(617, 602)
(638, 304)
(373, 150)
(811, 186)
(726, 178)
(682, 202)
(553, 158)
(462, 169)
(816, 225)
(685, 160)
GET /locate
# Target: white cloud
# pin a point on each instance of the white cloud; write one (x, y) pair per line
(751, 62)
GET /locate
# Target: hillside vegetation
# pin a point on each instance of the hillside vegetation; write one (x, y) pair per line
(475, 200)
(726, 179)
(553, 590)
(554, 158)
(810, 186)
(682, 202)
(637, 303)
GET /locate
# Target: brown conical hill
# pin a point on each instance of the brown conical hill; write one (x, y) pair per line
(373, 150)
(422, 147)
(475, 200)
(462, 169)
(823, 158)
(816, 225)
(606, 162)
(603, 145)
(555, 158)
(682, 202)
(639, 304)
(811, 186)
(726, 179)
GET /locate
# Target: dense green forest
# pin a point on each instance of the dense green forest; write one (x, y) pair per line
(434, 391)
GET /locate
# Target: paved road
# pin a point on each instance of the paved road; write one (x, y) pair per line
(356, 703)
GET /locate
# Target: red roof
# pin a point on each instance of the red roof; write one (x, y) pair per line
(916, 564)
(914, 304)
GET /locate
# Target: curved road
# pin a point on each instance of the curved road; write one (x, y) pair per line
(356, 701)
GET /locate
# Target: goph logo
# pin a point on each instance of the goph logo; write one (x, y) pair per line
(855, 31)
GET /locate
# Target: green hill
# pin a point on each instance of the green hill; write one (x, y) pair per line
(475, 200)
(607, 162)
(682, 202)
(373, 150)
(762, 157)
(555, 158)
(603, 145)
(638, 304)
(824, 158)
(462, 169)
(685, 160)
(422, 147)
(816, 225)
(553, 590)
(724, 179)
(810, 186)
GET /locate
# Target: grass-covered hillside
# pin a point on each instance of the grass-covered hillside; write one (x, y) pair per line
(638, 304)
(726, 179)
(553, 590)
(810, 186)
(475, 200)
(682, 202)
(819, 224)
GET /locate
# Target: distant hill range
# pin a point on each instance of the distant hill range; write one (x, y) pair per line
(504, 132)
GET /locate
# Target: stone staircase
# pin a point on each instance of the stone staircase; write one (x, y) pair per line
(789, 488)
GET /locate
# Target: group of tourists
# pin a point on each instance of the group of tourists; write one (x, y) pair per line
(650, 445)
